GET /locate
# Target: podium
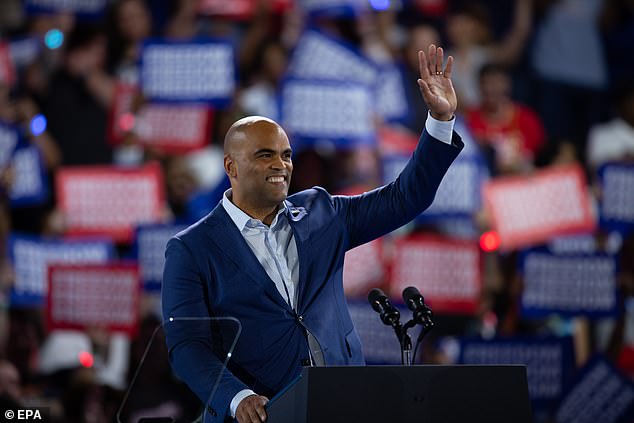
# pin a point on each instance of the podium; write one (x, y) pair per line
(399, 394)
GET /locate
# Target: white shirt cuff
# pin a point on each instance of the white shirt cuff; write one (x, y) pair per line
(235, 402)
(440, 129)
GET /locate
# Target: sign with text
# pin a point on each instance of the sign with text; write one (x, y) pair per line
(150, 244)
(194, 71)
(549, 362)
(617, 197)
(30, 182)
(390, 94)
(527, 210)
(363, 269)
(600, 394)
(568, 284)
(446, 271)
(80, 7)
(314, 112)
(95, 295)
(32, 255)
(318, 56)
(7, 69)
(108, 200)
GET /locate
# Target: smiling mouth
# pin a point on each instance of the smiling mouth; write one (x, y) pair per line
(277, 179)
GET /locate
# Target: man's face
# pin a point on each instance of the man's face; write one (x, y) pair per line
(261, 166)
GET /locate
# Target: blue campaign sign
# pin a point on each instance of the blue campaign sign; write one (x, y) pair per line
(391, 99)
(82, 8)
(549, 362)
(333, 8)
(318, 56)
(201, 70)
(338, 113)
(568, 283)
(380, 345)
(600, 393)
(616, 212)
(30, 182)
(9, 138)
(31, 256)
(150, 244)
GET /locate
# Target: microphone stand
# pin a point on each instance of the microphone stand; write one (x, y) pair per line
(405, 340)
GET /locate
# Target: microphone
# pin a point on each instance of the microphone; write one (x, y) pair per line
(381, 304)
(415, 302)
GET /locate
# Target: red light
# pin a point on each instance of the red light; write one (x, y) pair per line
(490, 241)
(86, 359)
(126, 122)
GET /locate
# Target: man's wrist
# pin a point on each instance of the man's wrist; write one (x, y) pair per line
(237, 399)
(444, 117)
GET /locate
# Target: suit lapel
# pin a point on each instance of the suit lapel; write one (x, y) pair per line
(301, 230)
(223, 232)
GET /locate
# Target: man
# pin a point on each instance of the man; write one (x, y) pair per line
(276, 263)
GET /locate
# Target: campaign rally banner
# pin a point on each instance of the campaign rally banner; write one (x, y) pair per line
(150, 244)
(121, 117)
(391, 99)
(568, 284)
(7, 69)
(600, 394)
(549, 362)
(87, 8)
(318, 56)
(315, 112)
(528, 210)
(238, 9)
(616, 210)
(201, 70)
(109, 200)
(93, 295)
(380, 344)
(9, 138)
(447, 272)
(174, 128)
(363, 269)
(30, 181)
(32, 255)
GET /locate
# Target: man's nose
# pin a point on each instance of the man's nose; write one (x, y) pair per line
(278, 163)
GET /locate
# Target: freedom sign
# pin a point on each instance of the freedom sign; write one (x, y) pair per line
(318, 56)
(95, 295)
(80, 7)
(150, 244)
(617, 197)
(314, 112)
(7, 70)
(549, 362)
(600, 394)
(528, 210)
(109, 200)
(447, 272)
(202, 70)
(30, 182)
(568, 284)
(32, 255)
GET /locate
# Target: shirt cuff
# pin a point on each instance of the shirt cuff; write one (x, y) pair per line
(440, 129)
(233, 407)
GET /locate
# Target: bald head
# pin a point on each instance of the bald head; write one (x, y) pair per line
(249, 127)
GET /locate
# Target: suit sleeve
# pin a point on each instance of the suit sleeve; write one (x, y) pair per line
(380, 211)
(189, 342)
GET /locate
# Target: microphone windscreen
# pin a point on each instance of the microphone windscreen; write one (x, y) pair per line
(410, 293)
(374, 295)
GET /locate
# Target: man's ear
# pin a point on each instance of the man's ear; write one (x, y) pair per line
(230, 166)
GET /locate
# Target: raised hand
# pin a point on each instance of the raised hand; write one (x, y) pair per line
(435, 83)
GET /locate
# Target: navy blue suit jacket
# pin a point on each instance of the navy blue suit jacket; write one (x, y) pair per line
(211, 271)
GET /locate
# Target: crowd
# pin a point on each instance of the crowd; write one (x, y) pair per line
(540, 83)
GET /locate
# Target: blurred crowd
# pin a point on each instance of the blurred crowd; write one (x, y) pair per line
(539, 83)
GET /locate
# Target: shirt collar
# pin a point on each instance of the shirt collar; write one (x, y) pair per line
(239, 217)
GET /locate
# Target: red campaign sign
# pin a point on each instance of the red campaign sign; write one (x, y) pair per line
(363, 269)
(446, 272)
(121, 117)
(7, 70)
(528, 210)
(240, 9)
(174, 128)
(95, 295)
(108, 200)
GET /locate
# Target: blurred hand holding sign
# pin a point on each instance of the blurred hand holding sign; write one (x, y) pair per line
(95, 295)
(108, 200)
(528, 210)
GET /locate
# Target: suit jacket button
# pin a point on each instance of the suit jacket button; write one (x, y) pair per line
(211, 411)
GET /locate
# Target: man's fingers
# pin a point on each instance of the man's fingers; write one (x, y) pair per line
(449, 67)
(422, 65)
(431, 54)
(439, 59)
(427, 94)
